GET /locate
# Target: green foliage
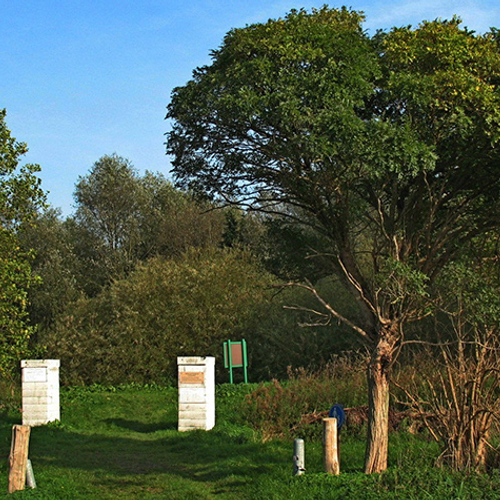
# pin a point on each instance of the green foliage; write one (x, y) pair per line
(15, 280)
(275, 94)
(167, 306)
(404, 285)
(443, 71)
(136, 218)
(123, 219)
(284, 339)
(462, 388)
(76, 301)
(294, 251)
(81, 255)
(470, 288)
(55, 261)
(135, 329)
(369, 142)
(20, 197)
(172, 222)
(20, 193)
(107, 201)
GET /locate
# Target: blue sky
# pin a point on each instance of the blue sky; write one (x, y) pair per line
(84, 78)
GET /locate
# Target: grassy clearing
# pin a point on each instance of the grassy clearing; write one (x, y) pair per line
(124, 444)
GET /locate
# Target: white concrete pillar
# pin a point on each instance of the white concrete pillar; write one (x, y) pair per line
(196, 393)
(40, 390)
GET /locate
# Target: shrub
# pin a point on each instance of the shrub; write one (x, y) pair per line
(134, 330)
(277, 409)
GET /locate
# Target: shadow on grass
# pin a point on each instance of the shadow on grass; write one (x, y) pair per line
(144, 428)
(198, 455)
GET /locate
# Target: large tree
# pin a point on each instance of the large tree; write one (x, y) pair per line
(20, 196)
(122, 219)
(107, 200)
(386, 146)
(55, 262)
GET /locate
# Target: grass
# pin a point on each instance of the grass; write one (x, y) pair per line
(123, 443)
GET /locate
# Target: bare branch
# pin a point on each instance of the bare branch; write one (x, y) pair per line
(329, 308)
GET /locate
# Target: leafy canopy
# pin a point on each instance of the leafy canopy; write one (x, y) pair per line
(20, 197)
(385, 145)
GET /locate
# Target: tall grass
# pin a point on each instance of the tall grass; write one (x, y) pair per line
(277, 409)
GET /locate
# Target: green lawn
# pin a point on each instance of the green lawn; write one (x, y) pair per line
(124, 444)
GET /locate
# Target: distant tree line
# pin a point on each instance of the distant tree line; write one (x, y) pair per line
(143, 272)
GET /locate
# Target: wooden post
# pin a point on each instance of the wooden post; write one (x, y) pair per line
(331, 451)
(299, 461)
(18, 459)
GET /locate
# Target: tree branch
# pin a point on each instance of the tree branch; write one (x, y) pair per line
(308, 286)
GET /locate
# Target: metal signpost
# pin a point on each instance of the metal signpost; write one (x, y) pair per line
(337, 411)
(235, 356)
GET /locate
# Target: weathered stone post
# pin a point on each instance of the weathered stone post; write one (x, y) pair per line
(196, 393)
(40, 391)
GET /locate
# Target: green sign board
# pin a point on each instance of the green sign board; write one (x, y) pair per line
(235, 356)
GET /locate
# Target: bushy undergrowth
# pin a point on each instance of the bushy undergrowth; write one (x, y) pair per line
(134, 330)
(276, 409)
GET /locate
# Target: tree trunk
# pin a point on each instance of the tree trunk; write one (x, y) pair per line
(481, 452)
(378, 405)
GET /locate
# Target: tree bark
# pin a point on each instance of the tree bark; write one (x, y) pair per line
(378, 405)
(481, 452)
